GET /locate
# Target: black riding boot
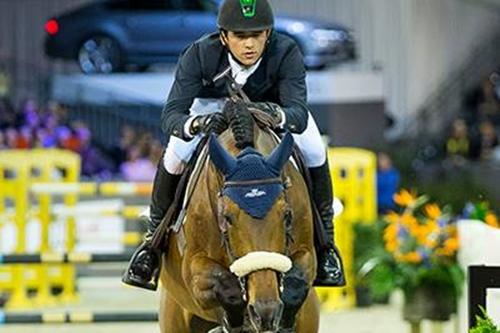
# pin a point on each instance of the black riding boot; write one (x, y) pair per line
(330, 271)
(144, 266)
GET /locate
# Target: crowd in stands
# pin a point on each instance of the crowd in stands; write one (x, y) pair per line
(133, 158)
(474, 136)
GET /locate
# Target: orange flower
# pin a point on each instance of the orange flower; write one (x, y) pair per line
(431, 227)
(430, 243)
(433, 211)
(391, 232)
(409, 221)
(492, 220)
(424, 232)
(411, 257)
(449, 248)
(404, 198)
(392, 217)
(391, 246)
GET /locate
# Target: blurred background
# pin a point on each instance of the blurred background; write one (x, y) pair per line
(406, 94)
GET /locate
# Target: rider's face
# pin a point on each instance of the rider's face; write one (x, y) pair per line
(247, 47)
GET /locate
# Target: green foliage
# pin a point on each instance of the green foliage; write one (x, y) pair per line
(369, 244)
(479, 211)
(484, 324)
(381, 281)
(368, 238)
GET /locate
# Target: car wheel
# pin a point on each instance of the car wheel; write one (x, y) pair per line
(99, 54)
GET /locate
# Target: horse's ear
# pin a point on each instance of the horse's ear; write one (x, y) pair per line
(281, 153)
(223, 161)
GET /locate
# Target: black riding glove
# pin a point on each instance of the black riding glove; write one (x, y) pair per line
(271, 109)
(211, 123)
(241, 122)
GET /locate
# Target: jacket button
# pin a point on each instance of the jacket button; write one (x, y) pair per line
(292, 127)
(176, 132)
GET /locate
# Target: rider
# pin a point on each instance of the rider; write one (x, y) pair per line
(270, 68)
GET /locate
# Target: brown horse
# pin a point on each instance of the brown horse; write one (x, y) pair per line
(272, 257)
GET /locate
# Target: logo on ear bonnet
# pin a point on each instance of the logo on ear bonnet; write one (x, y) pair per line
(255, 193)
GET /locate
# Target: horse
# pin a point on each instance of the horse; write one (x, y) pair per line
(227, 267)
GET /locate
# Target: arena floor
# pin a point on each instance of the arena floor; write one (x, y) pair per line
(107, 294)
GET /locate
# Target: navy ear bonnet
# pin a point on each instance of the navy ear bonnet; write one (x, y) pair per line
(255, 198)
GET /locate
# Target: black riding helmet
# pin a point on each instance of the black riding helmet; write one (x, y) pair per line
(245, 15)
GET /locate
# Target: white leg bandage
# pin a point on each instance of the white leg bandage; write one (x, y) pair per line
(256, 261)
(311, 144)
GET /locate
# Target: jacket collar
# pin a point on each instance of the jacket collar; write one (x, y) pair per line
(260, 76)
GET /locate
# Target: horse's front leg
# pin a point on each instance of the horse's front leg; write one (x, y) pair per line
(296, 285)
(212, 286)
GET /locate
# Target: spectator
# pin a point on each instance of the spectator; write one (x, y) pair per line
(68, 139)
(8, 117)
(11, 138)
(387, 183)
(44, 139)
(488, 140)
(119, 152)
(156, 152)
(4, 83)
(24, 138)
(489, 107)
(94, 162)
(458, 144)
(495, 80)
(31, 114)
(138, 168)
(48, 128)
(3, 143)
(483, 101)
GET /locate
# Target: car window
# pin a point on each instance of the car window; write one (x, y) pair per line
(192, 5)
(140, 4)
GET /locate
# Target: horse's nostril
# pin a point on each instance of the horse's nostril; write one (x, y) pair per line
(266, 315)
(254, 316)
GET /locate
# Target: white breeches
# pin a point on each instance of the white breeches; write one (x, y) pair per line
(178, 151)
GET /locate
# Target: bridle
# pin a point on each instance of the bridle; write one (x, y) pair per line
(224, 221)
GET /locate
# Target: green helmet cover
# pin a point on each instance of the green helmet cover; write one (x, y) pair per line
(245, 15)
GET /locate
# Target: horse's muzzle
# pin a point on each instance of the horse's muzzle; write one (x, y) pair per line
(266, 315)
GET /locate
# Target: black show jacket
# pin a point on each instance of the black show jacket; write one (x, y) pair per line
(280, 78)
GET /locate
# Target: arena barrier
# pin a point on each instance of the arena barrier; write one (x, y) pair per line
(31, 182)
(93, 189)
(18, 170)
(64, 258)
(76, 317)
(32, 189)
(481, 278)
(354, 183)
